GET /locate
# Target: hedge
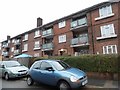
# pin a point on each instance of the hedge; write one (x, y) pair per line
(92, 63)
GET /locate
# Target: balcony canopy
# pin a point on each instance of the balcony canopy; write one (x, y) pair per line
(23, 56)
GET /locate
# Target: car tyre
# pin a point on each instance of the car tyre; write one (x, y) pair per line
(6, 76)
(29, 81)
(63, 85)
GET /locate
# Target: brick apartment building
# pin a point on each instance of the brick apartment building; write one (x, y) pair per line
(95, 30)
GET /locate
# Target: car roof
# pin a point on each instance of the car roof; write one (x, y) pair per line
(48, 60)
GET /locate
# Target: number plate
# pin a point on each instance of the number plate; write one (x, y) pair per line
(84, 82)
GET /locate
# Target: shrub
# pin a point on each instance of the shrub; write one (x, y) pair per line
(92, 63)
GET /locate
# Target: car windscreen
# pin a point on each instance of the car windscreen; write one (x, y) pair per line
(59, 65)
(12, 64)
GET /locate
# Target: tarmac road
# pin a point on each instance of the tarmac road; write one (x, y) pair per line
(20, 84)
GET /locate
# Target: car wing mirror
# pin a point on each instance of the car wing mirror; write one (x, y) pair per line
(3, 66)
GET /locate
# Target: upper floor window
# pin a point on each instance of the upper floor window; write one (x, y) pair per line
(107, 31)
(62, 38)
(37, 45)
(110, 49)
(62, 24)
(37, 33)
(12, 49)
(105, 12)
(25, 37)
(25, 48)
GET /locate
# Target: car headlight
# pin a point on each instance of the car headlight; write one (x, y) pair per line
(73, 79)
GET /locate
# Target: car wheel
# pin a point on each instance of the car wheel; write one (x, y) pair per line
(63, 85)
(29, 81)
(6, 76)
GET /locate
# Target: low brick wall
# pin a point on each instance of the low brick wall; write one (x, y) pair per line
(97, 75)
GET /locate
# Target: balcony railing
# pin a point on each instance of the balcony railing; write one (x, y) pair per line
(79, 23)
(47, 32)
(80, 41)
(5, 45)
(47, 46)
(5, 53)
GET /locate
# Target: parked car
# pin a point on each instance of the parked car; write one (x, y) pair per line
(12, 69)
(56, 73)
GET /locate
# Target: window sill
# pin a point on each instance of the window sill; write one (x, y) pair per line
(36, 48)
(112, 36)
(24, 50)
(103, 17)
(37, 36)
(24, 40)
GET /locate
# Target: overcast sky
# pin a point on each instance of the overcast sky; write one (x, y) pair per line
(18, 16)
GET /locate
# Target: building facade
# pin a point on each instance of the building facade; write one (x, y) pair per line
(95, 30)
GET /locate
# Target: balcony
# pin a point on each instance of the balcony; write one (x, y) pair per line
(16, 52)
(80, 41)
(5, 45)
(47, 47)
(5, 54)
(47, 33)
(80, 23)
(17, 42)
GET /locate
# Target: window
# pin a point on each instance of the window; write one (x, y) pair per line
(25, 48)
(37, 45)
(107, 30)
(12, 49)
(105, 11)
(62, 24)
(36, 55)
(45, 66)
(111, 49)
(25, 37)
(37, 65)
(13, 41)
(37, 33)
(62, 38)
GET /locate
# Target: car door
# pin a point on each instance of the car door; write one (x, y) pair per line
(35, 73)
(47, 77)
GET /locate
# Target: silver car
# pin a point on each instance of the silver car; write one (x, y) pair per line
(12, 69)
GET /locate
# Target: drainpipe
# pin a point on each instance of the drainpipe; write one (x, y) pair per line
(91, 28)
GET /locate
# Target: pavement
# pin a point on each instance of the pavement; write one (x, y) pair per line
(101, 83)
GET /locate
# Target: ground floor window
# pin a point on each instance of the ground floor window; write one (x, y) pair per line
(81, 50)
(110, 49)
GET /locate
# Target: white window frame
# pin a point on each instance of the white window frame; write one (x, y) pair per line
(62, 38)
(25, 37)
(37, 33)
(106, 49)
(62, 24)
(36, 55)
(25, 48)
(12, 49)
(105, 12)
(107, 31)
(37, 45)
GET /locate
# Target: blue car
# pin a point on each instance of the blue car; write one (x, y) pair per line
(56, 73)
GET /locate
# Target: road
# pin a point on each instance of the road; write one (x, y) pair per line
(20, 84)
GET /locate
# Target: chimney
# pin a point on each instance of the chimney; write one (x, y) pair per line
(39, 21)
(8, 37)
